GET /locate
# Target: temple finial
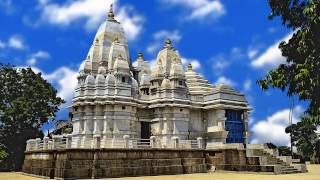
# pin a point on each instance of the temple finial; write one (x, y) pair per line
(140, 56)
(168, 42)
(116, 39)
(110, 14)
(190, 67)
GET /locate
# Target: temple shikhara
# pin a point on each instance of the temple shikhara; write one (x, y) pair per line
(114, 98)
(131, 119)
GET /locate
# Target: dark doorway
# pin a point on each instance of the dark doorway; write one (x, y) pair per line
(145, 130)
(235, 126)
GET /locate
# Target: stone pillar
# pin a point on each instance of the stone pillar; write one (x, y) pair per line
(55, 141)
(105, 126)
(113, 141)
(49, 144)
(200, 143)
(69, 141)
(28, 145)
(246, 133)
(38, 141)
(153, 142)
(175, 142)
(96, 141)
(126, 141)
(46, 142)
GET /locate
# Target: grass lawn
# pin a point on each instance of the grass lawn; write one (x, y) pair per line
(313, 174)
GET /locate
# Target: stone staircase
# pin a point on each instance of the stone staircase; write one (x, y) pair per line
(284, 167)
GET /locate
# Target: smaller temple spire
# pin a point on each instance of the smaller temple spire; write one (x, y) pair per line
(111, 14)
(190, 67)
(116, 39)
(168, 42)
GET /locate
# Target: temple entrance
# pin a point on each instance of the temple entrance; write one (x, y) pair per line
(235, 126)
(145, 130)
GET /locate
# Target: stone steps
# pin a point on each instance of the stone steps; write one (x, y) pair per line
(284, 167)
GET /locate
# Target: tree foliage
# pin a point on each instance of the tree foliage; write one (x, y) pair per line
(300, 75)
(27, 101)
(284, 151)
(3, 152)
(304, 137)
(62, 127)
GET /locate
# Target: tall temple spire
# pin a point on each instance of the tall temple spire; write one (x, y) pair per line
(168, 44)
(111, 14)
(190, 67)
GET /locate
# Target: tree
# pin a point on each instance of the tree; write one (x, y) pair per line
(3, 152)
(62, 127)
(300, 75)
(317, 150)
(284, 151)
(27, 101)
(304, 137)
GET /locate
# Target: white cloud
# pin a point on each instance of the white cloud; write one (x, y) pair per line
(7, 6)
(194, 62)
(272, 129)
(31, 61)
(225, 81)
(131, 22)
(63, 79)
(16, 42)
(272, 30)
(247, 85)
(200, 9)
(66, 81)
(38, 55)
(41, 54)
(160, 37)
(252, 53)
(272, 57)
(220, 64)
(2, 45)
(92, 12)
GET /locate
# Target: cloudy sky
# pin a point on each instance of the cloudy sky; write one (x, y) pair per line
(230, 42)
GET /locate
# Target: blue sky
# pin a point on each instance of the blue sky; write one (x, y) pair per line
(230, 42)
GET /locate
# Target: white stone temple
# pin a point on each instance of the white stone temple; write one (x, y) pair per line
(113, 98)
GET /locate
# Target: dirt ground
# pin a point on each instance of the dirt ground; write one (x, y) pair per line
(313, 174)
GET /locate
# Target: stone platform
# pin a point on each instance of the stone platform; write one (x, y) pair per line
(104, 163)
(82, 163)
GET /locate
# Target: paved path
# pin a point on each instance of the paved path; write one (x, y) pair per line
(313, 174)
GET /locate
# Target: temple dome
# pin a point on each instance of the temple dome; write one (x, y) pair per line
(100, 51)
(120, 64)
(176, 69)
(100, 79)
(111, 29)
(110, 79)
(85, 66)
(196, 83)
(90, 80)
(166, 84)
(157, 71)
(102, 70)
(166, 57)
(145, 80)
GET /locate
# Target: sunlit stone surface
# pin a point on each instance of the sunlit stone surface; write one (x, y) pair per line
(114, 99)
